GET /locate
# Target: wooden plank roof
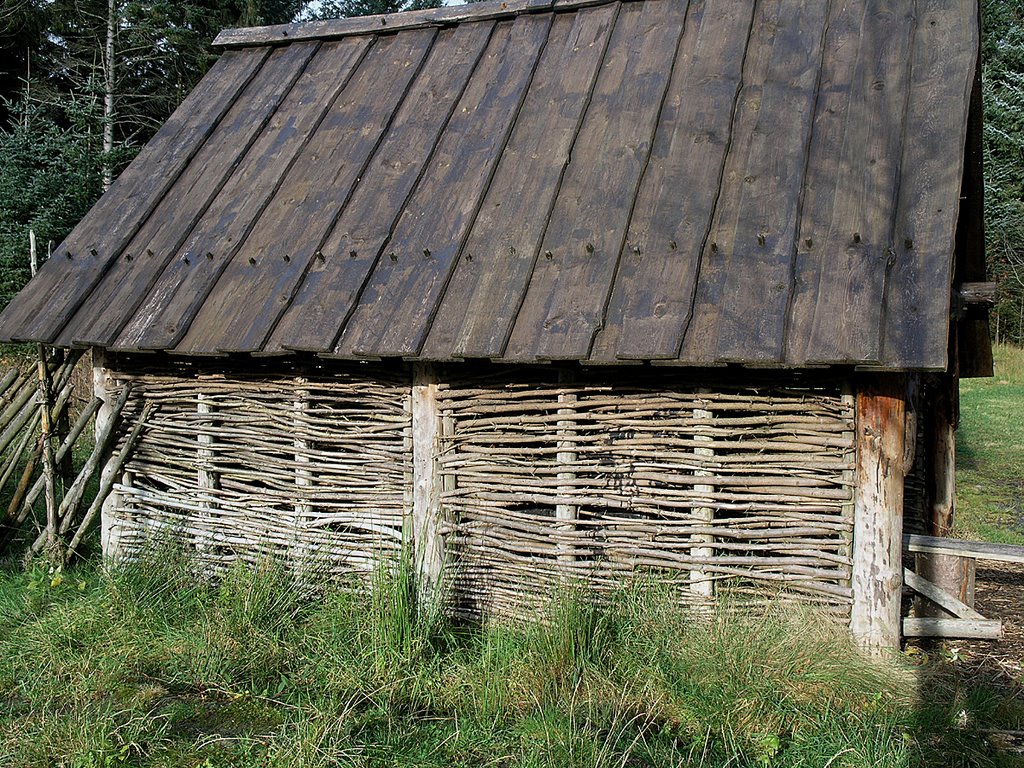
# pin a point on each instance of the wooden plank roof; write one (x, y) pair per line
(703, 182)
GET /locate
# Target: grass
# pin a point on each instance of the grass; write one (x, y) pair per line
(145, 666)
(990, 452)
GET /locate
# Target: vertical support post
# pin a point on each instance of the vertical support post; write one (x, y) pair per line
(427, 542)
(950, 573)
(701, 583)
(878, 512)
(206, 477)
(849, 476)
(566, 457)
(105, 388)
(303, 479)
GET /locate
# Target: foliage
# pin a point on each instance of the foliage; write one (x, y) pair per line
(1003, 95)
(990, 452)
(50, 174)
(144, 665)
(337, 9)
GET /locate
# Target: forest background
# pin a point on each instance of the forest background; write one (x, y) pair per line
(85, 83)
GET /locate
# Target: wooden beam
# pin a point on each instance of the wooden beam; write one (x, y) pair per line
(979, 550)
(427, 541)
(390, 22)
(566, 513)
(939, 596)
(878, 512)
(979, 629)
(701, 582)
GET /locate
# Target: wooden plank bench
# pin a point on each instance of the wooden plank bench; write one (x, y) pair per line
(967, 622)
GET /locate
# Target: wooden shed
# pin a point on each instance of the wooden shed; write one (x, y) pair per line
(551, 290)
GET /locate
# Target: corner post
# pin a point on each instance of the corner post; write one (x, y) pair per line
(105, 388)
(427, 542)
(878, 512)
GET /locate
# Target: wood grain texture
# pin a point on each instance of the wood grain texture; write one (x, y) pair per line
(175, 298)
(258, 282)
(916, 322)
(486, 289)
(394, 313)
(129, 279)
(66, 280)
(878, 513)
(745, 270)
(846, 226)
(565, 301)
(331, 285)
(650, 305)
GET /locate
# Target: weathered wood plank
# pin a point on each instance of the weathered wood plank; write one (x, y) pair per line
(389, 22)
(853, 174)
(485, 291)
(650, 304)
(979, 629)
(745, 275)
(66, 280)
(174, 299)
(258, 282)
(331, 286)
(428, 543)
(916, 327)
(878, 513)
(565, 301)
(939, 596)
(980, 550)
(394, 313)
(129, 279)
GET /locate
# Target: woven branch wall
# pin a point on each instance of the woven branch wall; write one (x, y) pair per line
(543, 480)
(312, 470)
(749, 489)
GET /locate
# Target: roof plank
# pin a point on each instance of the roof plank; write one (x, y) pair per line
(331, 286)
(484, 294)
(916, 321)
(66, 280)
(395, 310)
(853, 172)
(130, 278)
(650, 304)
(175, 298)
(567, 293)
(745, 270)
(258, 282)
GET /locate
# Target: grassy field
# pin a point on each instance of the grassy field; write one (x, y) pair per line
(147, 667)
(990, 452)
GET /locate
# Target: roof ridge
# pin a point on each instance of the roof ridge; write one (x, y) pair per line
(361, 25)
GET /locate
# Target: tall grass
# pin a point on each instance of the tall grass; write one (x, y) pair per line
(146, 665)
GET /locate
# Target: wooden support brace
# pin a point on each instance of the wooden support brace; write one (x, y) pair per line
(980, 629)
(939, 596)
(878, 518)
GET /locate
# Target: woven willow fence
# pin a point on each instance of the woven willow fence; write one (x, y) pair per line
(544, 480)
(315, 471)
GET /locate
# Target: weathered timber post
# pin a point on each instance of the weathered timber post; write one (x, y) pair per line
(566, 457)
(878, 512)
(427, 542)
(701, 583)
(105, 388)
(206, 478)
(952, 574)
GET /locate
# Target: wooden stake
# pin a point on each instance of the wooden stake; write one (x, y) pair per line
(46, 428)
(700, 580)
(566, 459)
(878, 512)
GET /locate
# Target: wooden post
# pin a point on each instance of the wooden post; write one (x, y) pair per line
(206, 477)
(700, 581)
(303, 482)
(104, 387)
(427, 542)
(566, 458)
(878, 512)
(955, 575)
